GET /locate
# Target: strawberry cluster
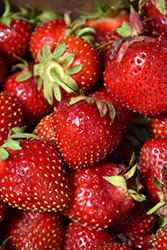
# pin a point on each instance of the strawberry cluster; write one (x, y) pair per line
(83, 128)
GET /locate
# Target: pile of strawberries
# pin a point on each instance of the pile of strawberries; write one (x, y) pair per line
(83, 128)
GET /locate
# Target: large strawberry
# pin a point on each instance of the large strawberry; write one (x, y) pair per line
(23, 85)
(96, 202)
(79, 237)
(136, 76)
(73, 66)
(11, 114)
(33, 177)
(15, 35)
(86, 130)
(33, 230)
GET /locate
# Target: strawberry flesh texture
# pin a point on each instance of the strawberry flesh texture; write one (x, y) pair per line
(158, 125)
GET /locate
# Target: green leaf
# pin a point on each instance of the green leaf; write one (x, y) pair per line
(23, 76)
(157, 183)
(12, 144)
(74, 69)
(161, 6)
(60, 49)
(136, 196)
(23, 135)
(131, 172)
(48, 91)
(116, 180)
(3, 154)
(47, 55)
(40, 57)
(156, 207)
(66, 60)
(70, 82)
(57, 92)
(124, 30)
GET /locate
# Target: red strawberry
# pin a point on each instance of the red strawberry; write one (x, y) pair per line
(158, 125)
(96, 203)
(135, 76)
(142, 242)
(23, 86)
(79, 237)
(33, 230)
(160, 239)
(152, 164)
(34, 177)
(15, 35)
(138, 223)
(74, 65)
(115, 246)
(154, 13)
(11, 114)
(85, 130)
(106, 19)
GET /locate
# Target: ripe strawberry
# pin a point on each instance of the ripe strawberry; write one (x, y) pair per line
(33, 230)
(11, 114)
(136, 68)
(34, 177)
(154, 13)
(15, 35)
(115, 246)
(96, 203)
(142, 242)
(85, 130)
(23, 85)
(79, 237)
(160, 239)
(152, 164)
(158, 125)
(69, 69)
(107, 18)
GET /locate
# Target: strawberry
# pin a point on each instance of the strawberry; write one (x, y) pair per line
(67, 70)
(23, 85)
(79, 237)
(33, 230)
(115, 246)
(33, 177)
(106, 18)
(160, 239)
(154, 13)
(15, 35)
(158, 125)
(85, 130)
(142, 242)
(96, 202)
(134, 70)
(11, 114)
(152, 165)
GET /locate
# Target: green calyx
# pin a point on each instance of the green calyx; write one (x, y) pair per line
(54, 72)
(26, 72)
(102, 105)
(14, 133)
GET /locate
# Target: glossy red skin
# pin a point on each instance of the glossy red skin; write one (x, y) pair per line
(35, 106)
(11, 114)
(153, 157)
(87, 55)
(157, 24)
(160, 239)
(89, 136)
(79, 237)
(103, 25)
(34, 178)
(134, 72)
(30, 230)
(158, 125)
(48, 32)
(96, 203)
(115, 246)
(14, 40)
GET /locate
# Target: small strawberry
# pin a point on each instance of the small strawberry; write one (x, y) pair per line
(33, 230)
(15, 35)
(11, 114)
(33, 176)
(154, 13)
(79, 237)
(158, 125)
(86, 130)
(135, 76)
(23, 85)
(74, 65)
(107, 18)
(96, 202)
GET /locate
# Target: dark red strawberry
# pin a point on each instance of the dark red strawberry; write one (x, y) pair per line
(85, 130)
(33, 230)
(152, 164)
(23, 85)
(154, 13)
(79, 237)
(11, 114)
(158, 125)
(34, 177)
(142, 242)
(15, 35)
(115, 246)
(96, 203)
(73, 66)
